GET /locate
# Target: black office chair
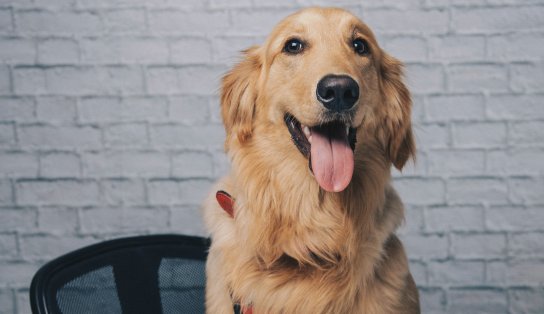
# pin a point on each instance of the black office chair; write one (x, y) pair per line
(146, 274)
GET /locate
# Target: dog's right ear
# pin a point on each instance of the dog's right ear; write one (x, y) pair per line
(238, 96)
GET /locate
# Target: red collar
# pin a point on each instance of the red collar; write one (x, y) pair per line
(226, 202)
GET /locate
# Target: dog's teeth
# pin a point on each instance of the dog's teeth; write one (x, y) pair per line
(347, 129)
(310, 139)
(306, 131)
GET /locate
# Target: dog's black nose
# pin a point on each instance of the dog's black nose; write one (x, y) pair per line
(337, 92)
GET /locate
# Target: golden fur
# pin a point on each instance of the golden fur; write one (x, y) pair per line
(293, 247)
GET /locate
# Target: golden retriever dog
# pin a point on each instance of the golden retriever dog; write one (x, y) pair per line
(305, 220)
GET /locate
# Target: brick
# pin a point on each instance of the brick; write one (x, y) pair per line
(19, 219)
(516, 273)
(22, 299)
(221, 164)
(419, 272)
(43, 136)
(479, 135)
(432, 300)
(504, 19)
(188, 23)
(196, 137)
(30, 81)
(470, 301)
(56, 109)
(94, 80)
(59, 23)
(126, 164)
(18, 165)
(44, 247)
(8, 247)
(125, 21)
(279, 3)
(457, 48)
(190, 51)
(526, 133)
(477, 78)
(199, 80)
(125, 50)
(6, 21)
(16, 109)
(456, 273)
(123, 192)
(515, 219)
(256, 22)
(189, 109)
(58, 165)
(126, 135)
(425, 79)
(187, 220)
(144, 108)
(6, 193)
(7, 135)
(228, 49)
(527, 77)
(17, 51)
(515, 162)
(455, 108)
(526, 190)
(57, 4)
(417, 191)
(456, 162)
(408, 21)
(216, 4)
(526, 301)
(407, 48)
(454, 218)
(58, 51)
(432, 136)
(115, 221)
(113, 109)
(484, 246)
(162, 80)
(476, 191)
(526, 107)
(5, 80)
(7, 304)
(192, 164)
(413, 225)
(17, 274)
(417, 167)
(426, 247)
(515, 47)
(58, 192)
(169, 192)
(526, 244)
(58, 220)
(107, 4)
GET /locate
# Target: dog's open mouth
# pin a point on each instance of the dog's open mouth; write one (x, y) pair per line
(329, 148)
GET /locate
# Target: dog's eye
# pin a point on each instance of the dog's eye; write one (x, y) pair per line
(293, 46)
(360, 46)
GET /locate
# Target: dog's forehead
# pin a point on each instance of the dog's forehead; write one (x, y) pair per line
(317, 20)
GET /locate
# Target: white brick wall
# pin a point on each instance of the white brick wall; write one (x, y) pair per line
(109, 126)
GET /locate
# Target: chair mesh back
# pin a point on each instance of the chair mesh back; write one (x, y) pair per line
(180, 285)
(151, 274)
(93, 292)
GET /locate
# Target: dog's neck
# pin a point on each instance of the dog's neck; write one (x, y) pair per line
(284, 213)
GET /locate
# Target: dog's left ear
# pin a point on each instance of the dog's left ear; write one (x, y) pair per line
(399, 141)
(239, 94)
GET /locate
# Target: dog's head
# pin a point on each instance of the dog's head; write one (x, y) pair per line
(320, 80)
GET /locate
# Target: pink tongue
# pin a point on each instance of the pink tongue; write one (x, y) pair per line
(332, 158)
